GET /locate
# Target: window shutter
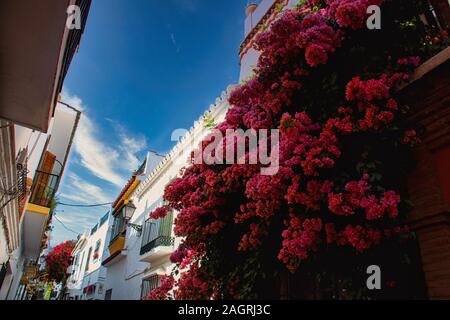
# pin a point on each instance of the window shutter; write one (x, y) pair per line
(165, 228)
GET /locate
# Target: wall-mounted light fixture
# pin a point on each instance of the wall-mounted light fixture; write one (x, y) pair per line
(129, 210)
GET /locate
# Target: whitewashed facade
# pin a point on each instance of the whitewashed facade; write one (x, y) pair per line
(147, 253)
(257, 17)
(37, 49)
(87, 275)
(30, 178)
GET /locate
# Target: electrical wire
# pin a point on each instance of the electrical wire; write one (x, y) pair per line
(85, 205)
(157, 153)
(6, 203)
(64, 226)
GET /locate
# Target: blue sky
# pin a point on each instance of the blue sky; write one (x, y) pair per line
(144, 68)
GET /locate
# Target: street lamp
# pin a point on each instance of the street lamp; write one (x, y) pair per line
(129, 210)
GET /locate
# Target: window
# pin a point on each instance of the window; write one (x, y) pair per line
(86, 268)
(119, 226)
(151, 228)
(96, 251)
(45, 182)
(149, 284)
(81, 262)
(97, 246)
(165, 225)
(104, 219)
(157, 233)
(108, 294)
(2, 274)
(94, 229)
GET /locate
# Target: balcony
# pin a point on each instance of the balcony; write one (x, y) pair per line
(157, 249)
(157, 242)
(44, 189)
(117, 252)
(23, 186)
(38, 210)
(117, 244)
(162, 241)
(35, 66)
(119, 229)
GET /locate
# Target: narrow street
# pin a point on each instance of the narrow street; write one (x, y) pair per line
(224, 151)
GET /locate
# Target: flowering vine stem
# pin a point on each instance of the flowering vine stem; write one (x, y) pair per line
(57, 261)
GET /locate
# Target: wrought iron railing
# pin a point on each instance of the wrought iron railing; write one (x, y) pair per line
(162, 241)
(119, 226)
(150, 284)
(22, 189)
(44, 188)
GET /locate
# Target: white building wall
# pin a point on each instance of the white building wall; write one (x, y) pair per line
(254, 18)
(17, 266)
(4, 257)
(61, 133)
(125, 276)
(10, 253)
(115, 281)
(34, 142)
(58, 137)
(248, 64)
(250, 58)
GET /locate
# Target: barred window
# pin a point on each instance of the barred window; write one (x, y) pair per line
(149, 284)
(86, 268)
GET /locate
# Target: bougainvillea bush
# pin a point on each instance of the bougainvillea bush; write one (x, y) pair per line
(57, 261)
(338, 201)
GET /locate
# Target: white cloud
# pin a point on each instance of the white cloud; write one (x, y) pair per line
(99, 158)
(110, 159)
(73, 101)
(130, 147)
(79, 219)
(81, 191)
(174, 42)
(190, 6)
(105, 161)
